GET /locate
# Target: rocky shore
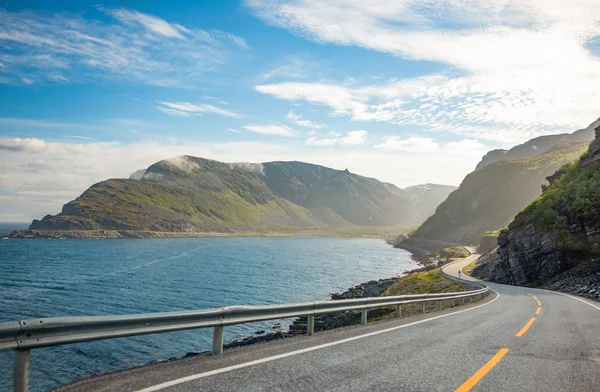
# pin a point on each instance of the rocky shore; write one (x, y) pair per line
(324, 322)
(114, 234)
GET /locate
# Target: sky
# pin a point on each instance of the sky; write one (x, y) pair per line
(406, 91)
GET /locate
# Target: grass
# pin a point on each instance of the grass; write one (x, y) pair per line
(453, 253)
(467, 269)
(428, 282)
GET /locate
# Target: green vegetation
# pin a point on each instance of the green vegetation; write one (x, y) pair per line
(428, 282)
(469, 267)
(453, 253)
(568, 206)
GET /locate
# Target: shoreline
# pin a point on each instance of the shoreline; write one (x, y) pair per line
(340, 232)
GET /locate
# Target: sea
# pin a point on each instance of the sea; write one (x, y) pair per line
(55, 278)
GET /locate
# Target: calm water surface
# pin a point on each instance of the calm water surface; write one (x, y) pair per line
(48, 278)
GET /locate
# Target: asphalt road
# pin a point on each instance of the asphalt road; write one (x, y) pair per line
(497, 344)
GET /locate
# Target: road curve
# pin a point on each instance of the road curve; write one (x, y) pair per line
(498, 344)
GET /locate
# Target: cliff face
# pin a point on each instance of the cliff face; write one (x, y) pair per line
(555, 241)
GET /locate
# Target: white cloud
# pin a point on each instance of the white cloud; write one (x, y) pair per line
(40, 47)
(272, 129)
(412, 144)
(187, 109)
(37, 177)
(152, 23)
(416, 144)
(515, 69)
(297, 119)
(352, 138)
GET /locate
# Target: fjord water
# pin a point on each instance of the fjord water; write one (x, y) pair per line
(51, 278)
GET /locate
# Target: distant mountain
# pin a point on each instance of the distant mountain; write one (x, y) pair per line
(539, 145)
(190, 195)
(427, 197)
(493, 194)
(555, 241)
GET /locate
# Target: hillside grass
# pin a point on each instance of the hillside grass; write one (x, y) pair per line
(467, 269)
(427, 282)
(453, 253)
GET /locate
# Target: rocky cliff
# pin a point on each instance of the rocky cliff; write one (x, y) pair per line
(555, 241)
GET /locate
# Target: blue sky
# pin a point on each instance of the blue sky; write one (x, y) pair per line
(409, 91)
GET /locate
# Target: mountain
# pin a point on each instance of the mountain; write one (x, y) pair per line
(137, 175)
(490, 197)
(427, 197)
(193, 195)
(555, 241)
(539, 145)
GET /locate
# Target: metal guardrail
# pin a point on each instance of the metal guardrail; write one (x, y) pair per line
(25, 335)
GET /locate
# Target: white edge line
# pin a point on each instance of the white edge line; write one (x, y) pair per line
(573, 297)
(197, 376)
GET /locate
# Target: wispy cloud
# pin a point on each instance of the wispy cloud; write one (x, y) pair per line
(272, 129)
(351, 138)
(297, 119)
(67, 48)
(187, 109)
(412, 144)
(152, 23)
(518, 69)
(294, 67)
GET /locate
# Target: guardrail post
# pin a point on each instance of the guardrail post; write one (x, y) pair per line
(217, 348)
(398, 311)
(310, 325)
(364, 317)
(21, 371)
(439, 305)
(422, 307)
(452, 303)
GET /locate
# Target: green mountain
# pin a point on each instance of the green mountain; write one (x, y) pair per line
(555, 241)
(194, 195)
(490, 197)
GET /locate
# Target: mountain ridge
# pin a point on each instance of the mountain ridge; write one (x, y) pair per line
(195, 195)
(490, 196)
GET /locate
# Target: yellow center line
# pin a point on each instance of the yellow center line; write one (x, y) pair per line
(471, 382)
(534, 297)
(539, 309)
(539, 303)
(525, 328)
